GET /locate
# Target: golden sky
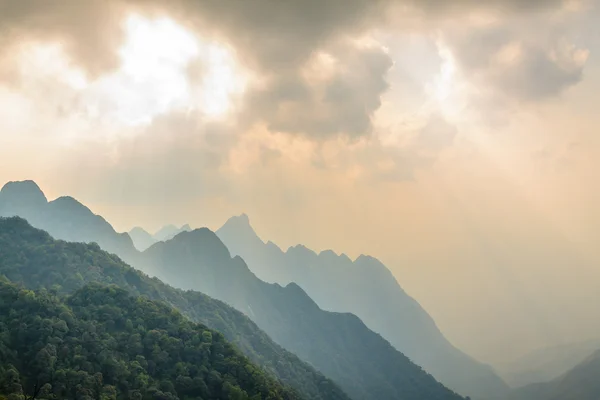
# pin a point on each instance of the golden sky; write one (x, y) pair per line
(457, 142)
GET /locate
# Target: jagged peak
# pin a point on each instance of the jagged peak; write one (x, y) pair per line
(274, 246)
(300, 248)
(365, 258)
(328, 253)
(239, 220)
(239, 225)
(138, 229)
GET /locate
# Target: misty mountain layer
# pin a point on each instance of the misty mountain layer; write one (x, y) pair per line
(363, 363)
(366, 288)
(340, 345)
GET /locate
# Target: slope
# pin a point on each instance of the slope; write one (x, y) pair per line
(32, 258)
(340, 345)
(141, 239)
(366, 288)
(547, 363)
(580, 383)
(102, 343)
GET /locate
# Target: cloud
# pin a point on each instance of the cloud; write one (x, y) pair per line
(90, 30)
(335, 92)
(155, 164)
(524, 69)
(280, 42)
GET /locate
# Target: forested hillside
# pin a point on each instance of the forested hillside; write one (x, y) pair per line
(102, 343)
(32, 258)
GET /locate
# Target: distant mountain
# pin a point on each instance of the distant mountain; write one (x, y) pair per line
(141, 239)
(102, 343)
(546, 364)
(366, 288)
(65, 218)
(580, 383)
(168, 232)
(364, 364)
(32, 258)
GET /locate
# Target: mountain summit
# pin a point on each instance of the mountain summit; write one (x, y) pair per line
(24, 196)
(64, 218)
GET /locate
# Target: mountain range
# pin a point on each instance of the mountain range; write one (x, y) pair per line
(366, 288)
(337, 344)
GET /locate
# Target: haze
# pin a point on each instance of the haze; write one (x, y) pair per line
(456, 141)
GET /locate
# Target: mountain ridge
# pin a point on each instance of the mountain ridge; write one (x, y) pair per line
(367, 288)
(199, 260)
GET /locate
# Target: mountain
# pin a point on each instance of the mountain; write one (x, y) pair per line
(169, 232)
(338, 344)
(367, 372)
(32, 258)
(547, 363)
(580, 383)
(102, 343)
(65, 218)
(366, 288)
(141, 239)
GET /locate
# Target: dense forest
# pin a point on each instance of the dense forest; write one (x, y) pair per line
(32, 258)
(102, 343)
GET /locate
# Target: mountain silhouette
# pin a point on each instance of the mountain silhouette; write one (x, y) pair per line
(580, 383)
(364, 364)
(366, 288)
(141, 238)
(548, 363)
(65, 218)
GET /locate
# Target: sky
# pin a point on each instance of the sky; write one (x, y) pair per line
(457, 141)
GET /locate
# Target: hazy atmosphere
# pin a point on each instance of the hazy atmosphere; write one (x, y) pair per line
(456, 141)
